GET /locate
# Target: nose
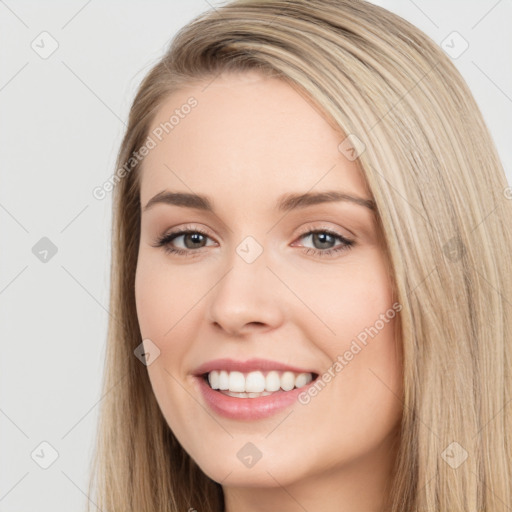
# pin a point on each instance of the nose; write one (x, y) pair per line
(247, 298)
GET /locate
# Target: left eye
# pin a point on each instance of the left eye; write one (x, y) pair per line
(324, 238)
(194, 239)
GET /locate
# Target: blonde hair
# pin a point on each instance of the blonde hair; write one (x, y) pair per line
(439, 188)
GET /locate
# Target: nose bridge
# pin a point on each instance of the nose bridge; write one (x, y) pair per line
(246, 294)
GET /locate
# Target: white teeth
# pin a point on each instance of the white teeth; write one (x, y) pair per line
(236, 381)
(272, 381)
(247, 395)
(223, 380)
(254, 384)
(287, 381)
(302, 380)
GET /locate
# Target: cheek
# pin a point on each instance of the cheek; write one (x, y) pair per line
(169, 309)
(162, 296)
(358, 319)
(163, 301)
(346, 301)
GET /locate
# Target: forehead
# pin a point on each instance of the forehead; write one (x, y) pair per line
(249, 134)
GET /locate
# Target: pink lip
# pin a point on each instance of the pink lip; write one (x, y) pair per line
(248, 408)
(247, 366)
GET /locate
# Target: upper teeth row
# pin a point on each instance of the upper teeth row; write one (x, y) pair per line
(257, 382)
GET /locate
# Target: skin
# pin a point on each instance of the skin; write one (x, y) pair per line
(249, 140)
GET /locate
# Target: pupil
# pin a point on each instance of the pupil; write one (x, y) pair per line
(322, 237)
(196, 238)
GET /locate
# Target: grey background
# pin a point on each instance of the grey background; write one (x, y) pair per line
(62, 122)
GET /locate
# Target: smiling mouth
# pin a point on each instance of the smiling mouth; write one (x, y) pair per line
(256, 383)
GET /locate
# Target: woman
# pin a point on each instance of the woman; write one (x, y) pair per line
(310, 274)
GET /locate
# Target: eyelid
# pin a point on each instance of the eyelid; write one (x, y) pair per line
(303, 231)
(322, 226)
(189, 227)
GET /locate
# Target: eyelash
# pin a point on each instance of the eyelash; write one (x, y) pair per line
(165, 240)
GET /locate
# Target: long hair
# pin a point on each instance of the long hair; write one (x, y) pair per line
(439, 189)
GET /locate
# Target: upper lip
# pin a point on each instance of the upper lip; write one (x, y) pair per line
(247, 366)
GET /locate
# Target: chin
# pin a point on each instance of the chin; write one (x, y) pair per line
(232, 473)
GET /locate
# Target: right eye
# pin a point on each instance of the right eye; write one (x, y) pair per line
(191, 238)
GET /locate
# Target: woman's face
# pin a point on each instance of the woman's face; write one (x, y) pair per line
(251, 282)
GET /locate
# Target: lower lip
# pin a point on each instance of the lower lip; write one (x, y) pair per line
(248, 408)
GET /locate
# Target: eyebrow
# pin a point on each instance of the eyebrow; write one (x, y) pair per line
(285, 203)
